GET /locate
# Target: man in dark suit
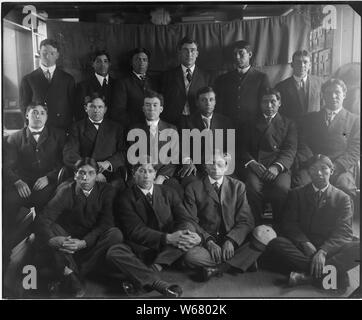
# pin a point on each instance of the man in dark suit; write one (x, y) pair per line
(99, 138)
(31, 165)
(301, 93)
(130, 91)
(220, 206)
(316, 230)
(158, 139)
(268, 153)
(51, 86)
(335, 132)
(179, 85)
(154, 221)
(239, 91)
(100, 81)
(204, 118)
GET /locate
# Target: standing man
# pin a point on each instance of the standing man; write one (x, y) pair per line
(130, 91)
(300, 93)
(51, 86)
(179, 85)
(239, 91)
(100, 81)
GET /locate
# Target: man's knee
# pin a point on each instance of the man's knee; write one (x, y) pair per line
(117, 251)
(113, 235)
(279, 243)
(197, 257)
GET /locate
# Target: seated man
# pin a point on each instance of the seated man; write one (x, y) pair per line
(269, 148)
(99, 138)
(335, 132)
(152, 129)
(32, 161)
(155, 223)
(220, 206)
(204, 118)
(77, 230)
(316, 229)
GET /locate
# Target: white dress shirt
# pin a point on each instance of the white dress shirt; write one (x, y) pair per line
(51, 70)
(36, 137)
(101, 78)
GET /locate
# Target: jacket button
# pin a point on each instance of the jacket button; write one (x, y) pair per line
(37, 150)
(58, 114)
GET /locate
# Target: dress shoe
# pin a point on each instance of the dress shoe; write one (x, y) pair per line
(73, 286)
(173, 291)
(128, 288)
(297, 279)
(208, 272)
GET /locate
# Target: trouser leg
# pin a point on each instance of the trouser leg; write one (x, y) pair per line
(198, 257)
(346, 258)
(254, 192)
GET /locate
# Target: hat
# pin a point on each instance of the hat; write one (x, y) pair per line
(251, 250)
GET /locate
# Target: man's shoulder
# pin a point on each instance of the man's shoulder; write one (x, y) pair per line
(315, 80)
(166, 125)
(284, 83)
(234, 182)
(64, 74)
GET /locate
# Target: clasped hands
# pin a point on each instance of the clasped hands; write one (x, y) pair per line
(67, 244)
(265, 174)
(219, 254)
(25, 191)
(183, 239)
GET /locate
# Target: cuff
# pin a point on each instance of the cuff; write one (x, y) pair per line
(110, 167)
(232, 241)
(187, 160)
(246, 164)
(281, 167)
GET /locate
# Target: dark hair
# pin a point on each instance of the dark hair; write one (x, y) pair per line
(241, 44)
(204, 90)
(98, 53)
(146, 159)
(94, 95)
(33, 105)
(334, 82)
(271, 91)
(186, 40)
(301, 53)
(320, 157)
(139, 50)
(50, 42)
(86, 161)
(154, 94)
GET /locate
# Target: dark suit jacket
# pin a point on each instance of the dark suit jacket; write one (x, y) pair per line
(85, 218)
(145, 225)
(31, 160)
(232, 210)
(292, 106)
(267, 144)
(162, 169)
(59, 95)
(128, 98)
(174, 92)
(239, 98)
(328, 225)
(89, 86)
(105, 144)
(340, 141)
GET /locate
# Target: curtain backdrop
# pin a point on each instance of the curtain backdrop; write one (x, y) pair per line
(273, 40)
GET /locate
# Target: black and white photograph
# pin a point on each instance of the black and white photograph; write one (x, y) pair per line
(180, 150)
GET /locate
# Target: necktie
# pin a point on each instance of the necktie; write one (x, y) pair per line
(149, 198)
(153, 129)
(96, 124)
(48, 75)
(268, 119)
(143, 77)
(319, 195)
(329, 118)
(188, 75)
(104, 83)
(217, 188)
(206, 122)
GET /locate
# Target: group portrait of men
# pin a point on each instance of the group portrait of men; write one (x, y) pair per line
(133, 175)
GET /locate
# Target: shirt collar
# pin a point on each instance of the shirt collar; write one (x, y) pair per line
(273, 116)
(333, 112)
(244, 70)
(145, 191)
(219, 182)
(204, 117)
(100, 78)
(36, 130)
(98, 122)
(87, 193)
(153, 122)
(139, 75)
(51, 69)
(316, 189)
(185, 68)
(299, 79)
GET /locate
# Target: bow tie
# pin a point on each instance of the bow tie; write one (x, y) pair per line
(97, 123)
(35, 133)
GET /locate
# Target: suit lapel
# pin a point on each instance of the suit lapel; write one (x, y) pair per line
(95, 83)
(158, 206)
(338, 120)
(90, 132)
(43, 137)
(180, 79)
(30, 137)
(210, 189)
(101, 137)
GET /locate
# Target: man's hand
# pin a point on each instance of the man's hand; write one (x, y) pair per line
(101, 178)
(308, 248)
(188, 240)
(174, 238)
(103, 165)
(317, 265)
(23, 189)
(73, 244)
(57, 243)
(160, 179)
(215, 251)
(187, 170)
(41, 183)
(227, 250)
(270, 174)
(257, 168)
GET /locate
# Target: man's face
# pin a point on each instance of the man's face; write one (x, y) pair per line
(101, 65)
(189, 54)
(333, 96)
(270, 105)
(218, 168)
(242, 58)
(301, 66)
(145, 176)
(140, 63)
(48, 55)
(152, 108)
(320, 174)
(206, 103)
(37, 117)
(96, 109)
(85, 177)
